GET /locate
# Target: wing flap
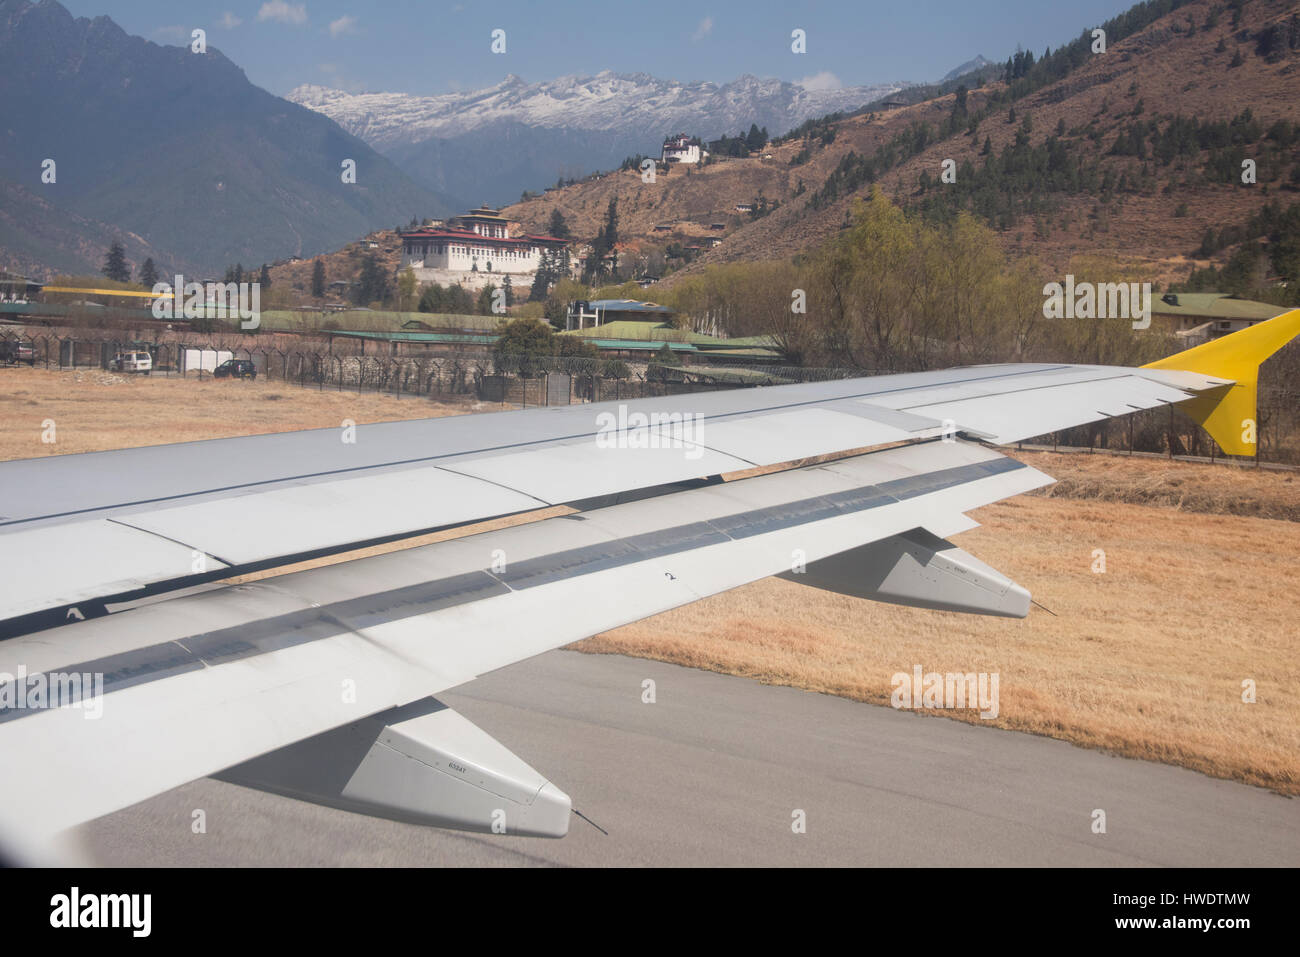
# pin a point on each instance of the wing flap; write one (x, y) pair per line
(83, 561)
(305, 518)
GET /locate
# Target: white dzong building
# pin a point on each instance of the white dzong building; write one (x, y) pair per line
(474, 250)
(681, 148)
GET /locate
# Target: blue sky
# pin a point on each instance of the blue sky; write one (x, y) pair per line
(437, 47)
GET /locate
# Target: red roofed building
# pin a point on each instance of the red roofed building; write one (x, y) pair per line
(475, 249)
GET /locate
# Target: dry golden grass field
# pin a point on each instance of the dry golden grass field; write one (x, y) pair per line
(1146, 659)
(94, 410)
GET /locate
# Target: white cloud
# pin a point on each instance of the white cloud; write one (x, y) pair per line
(283, 12)
(825, 80)
(229, 20)
(342, 25)
(703, 30)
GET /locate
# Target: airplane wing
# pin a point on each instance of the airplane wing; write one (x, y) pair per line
(319, 683)
(161, 517)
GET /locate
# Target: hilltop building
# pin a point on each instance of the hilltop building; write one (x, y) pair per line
(474, 250)
(683, 149)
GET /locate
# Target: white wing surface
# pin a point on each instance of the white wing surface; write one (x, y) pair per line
(162, 517)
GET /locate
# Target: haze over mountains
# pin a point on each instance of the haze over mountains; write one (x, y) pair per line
(174, 152)
(488, 145)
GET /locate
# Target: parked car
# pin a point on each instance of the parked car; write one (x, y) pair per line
(12, 351)
(133, 362)
(236, 369)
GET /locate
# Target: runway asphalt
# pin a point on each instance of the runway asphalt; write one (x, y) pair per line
(712, 773)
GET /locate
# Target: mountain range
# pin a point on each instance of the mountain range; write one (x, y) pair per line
(1135, 156)
(489, 145)
(175, 153)
(109, 137)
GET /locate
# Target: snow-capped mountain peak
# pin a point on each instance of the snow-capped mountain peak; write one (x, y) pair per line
(607, 101)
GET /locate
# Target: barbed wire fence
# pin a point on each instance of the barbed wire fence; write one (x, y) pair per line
(435, 373)
(563, 380)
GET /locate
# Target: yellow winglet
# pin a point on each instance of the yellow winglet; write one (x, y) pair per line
(1229, 414)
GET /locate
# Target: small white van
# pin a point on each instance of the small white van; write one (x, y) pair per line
(133, 362)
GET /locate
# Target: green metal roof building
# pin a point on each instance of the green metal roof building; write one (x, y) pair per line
(1202, 316)
(630, 336)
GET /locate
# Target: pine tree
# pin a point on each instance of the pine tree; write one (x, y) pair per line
(372, 284)
(264, 280)
(558, 227)
(148, 274)
(609, 234)
(541, 279)
(611, 224)
(318, 279)
(508, 287)
(604, 242)
(115, 266)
